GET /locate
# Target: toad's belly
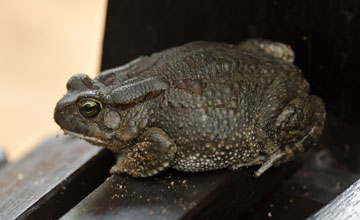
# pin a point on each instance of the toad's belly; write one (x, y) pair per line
(195, 157)
(209, 138)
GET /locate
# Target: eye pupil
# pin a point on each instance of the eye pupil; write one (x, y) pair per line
(89, 108)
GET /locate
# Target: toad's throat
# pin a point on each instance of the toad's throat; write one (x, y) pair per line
(87, 138)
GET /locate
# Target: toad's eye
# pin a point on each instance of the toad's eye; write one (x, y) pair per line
(89, 108)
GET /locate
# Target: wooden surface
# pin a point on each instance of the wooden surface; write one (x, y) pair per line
(3, 159)
(305, 192)
(345, 206)
(175, 195)
(51, 179)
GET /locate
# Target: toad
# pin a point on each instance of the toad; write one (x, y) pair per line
(197, 107)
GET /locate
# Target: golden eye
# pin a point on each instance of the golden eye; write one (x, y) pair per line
(89, 108)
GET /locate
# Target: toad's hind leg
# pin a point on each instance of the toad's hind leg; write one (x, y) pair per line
(292, 124)
(288, 152)
(275, 158)
(298, 127)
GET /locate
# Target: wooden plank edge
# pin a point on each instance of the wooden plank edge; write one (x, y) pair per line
(344, 206)
(179, 195)
(73, 189)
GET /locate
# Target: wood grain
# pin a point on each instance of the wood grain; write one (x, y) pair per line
(51, 179)
(345, 206)
(177, 195)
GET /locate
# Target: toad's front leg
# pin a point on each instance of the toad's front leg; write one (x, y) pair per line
(151, 154)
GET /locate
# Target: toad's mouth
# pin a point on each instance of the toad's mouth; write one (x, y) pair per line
(87, 138)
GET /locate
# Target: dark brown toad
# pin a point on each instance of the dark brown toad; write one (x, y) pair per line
(201, 106)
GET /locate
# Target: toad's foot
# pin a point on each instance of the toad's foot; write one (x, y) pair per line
(259, 160)
(288, 152)
(150, 155)
(265, 161)
(269, 162)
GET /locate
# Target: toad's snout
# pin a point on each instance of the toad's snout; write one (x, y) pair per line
(67, 119)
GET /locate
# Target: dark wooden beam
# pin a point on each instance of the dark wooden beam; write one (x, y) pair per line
(51, 179)
(176, 195)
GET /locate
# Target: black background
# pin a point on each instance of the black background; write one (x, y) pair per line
(324, 34)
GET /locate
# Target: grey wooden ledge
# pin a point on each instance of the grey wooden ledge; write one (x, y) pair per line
(51, 179)
(345, 206)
